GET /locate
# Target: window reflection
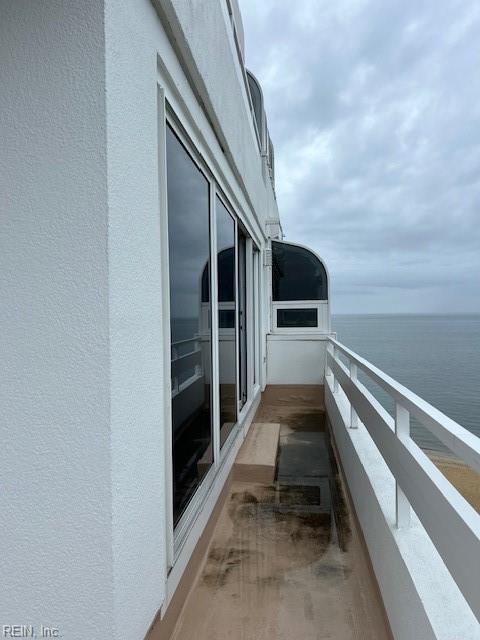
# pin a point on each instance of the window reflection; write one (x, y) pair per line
(226, 320)
(189, 246)
(255, 285)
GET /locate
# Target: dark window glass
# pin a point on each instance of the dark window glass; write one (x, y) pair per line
(242, 318)
(297, 274)
(255, 284)
(271, 158)
(257, 101)
(189, 250)
(297, 318)
(226, 320)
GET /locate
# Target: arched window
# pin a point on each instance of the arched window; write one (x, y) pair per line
(257, 102)
(297, 274)
(271, 159)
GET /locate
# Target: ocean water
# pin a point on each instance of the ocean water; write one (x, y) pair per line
(436, 356)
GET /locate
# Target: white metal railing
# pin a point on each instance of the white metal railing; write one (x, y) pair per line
(183, 362)
(450, 521)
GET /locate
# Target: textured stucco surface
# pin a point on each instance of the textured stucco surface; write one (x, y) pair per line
(137, 385)
(54, 378)
(202, 31)
(305, 358)
(82, 390)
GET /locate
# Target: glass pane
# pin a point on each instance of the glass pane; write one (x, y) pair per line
(226, 320)
(242, 317)
(297, 274)
(255, 284)
(189, 249)
(256, 96)
(297, 318)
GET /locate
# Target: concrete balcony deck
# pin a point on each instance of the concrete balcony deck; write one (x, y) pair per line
(286, 559)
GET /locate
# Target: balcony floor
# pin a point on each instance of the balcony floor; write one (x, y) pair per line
(286, 560)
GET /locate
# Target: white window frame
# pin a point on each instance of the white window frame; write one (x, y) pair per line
(194, 129)
(256, 293)
(177, 536)
(223, 451)
(322, 306)
(323, 314)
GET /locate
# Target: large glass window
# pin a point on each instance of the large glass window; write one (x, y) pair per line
(226, 320)
(297, 274)
(189, 251)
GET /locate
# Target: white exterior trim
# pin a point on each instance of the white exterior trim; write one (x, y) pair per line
(323, 316)
(167, 339)
(322, 306)
(203, 140)
(179, 538)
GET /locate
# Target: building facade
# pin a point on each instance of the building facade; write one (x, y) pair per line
(140, 207)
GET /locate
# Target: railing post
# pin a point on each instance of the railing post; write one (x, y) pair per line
(175, 385)
(402, 430)
(353, 413)
(198, 367)
(328, 370)
(335, 381)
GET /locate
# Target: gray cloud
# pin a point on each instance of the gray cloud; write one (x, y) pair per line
(374, 111)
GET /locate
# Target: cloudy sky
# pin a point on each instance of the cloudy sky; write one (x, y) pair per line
(374, 110)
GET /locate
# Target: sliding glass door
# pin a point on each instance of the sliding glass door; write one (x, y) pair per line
(189, 252)
(209, 386)
(255, 315)
(227, 312)
(242, 317)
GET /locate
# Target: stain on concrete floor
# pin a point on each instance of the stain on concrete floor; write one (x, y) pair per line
(285, 560)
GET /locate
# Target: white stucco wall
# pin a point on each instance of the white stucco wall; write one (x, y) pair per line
(83, 393)
(203, 34)
(296, 359)
(55, 530)
(136, 38)
(136, 320)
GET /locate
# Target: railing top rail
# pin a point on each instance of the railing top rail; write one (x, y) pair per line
(175, 344)
(451, 522)
(460, 441)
